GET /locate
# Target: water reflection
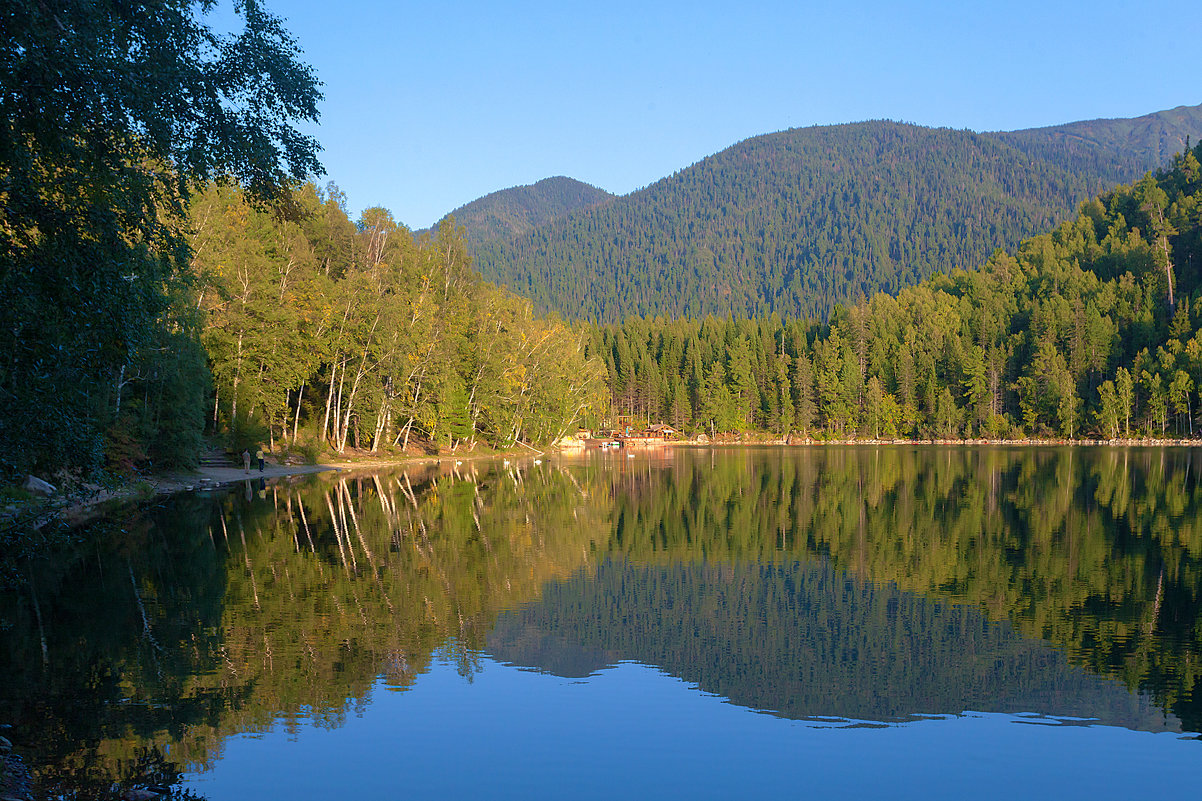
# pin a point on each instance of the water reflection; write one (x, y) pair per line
(1096, 551)
(808, 642)
(866, 583)
(182, 624)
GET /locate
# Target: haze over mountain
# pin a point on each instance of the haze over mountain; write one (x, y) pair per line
(797, 221)
(1118, 150)
(510, 212)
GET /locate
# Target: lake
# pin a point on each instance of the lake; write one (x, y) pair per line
(900, 621)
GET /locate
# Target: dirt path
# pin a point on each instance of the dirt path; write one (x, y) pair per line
(226, 475)
(85, 506)
(82, 503)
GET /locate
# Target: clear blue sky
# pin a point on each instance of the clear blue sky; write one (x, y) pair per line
(429, 106)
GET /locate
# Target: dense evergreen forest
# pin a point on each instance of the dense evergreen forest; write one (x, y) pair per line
(1111, 149)
(1093, 328)
(510, 212)
(799, 221)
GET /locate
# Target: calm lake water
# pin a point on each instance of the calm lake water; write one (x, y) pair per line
(840, 621)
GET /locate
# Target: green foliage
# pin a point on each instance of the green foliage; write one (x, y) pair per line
(309, 451)
(103, 137)
(511, 212)
(372, 338)
(800, 221)
(1074, 334)
(246, 432)
(14, 494)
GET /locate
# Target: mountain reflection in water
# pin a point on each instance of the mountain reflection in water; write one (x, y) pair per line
(807, 641)
(853, 582)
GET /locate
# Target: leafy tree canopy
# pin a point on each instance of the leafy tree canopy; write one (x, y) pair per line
(110, 113)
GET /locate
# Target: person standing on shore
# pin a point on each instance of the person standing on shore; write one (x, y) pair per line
(246, 461)
(259, 456)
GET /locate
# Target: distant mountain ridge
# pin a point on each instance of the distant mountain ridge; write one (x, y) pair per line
(797, 221)
(517, 210)
(1127, 146)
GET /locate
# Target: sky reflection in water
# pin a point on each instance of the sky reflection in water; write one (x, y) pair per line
(632, 731)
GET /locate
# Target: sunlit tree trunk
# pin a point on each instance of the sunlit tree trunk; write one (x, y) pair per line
(300, 394)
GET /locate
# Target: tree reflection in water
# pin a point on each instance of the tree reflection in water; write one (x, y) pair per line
(864, 582)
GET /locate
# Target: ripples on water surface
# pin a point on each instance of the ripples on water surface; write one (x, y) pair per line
(934, 622)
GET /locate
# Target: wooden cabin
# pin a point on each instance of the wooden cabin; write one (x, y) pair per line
(652, 435)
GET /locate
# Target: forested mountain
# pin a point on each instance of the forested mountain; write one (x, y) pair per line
(1090, 329)
(1117, 151)
(798, 221)
(518, 210)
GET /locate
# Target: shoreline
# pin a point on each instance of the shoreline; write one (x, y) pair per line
(78, 506)
(75, 508)
(800, 442)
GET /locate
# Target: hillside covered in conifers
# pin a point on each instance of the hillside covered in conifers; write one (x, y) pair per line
(1111, 148)
(520, 209)
(1092, 328)
(798, 221)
